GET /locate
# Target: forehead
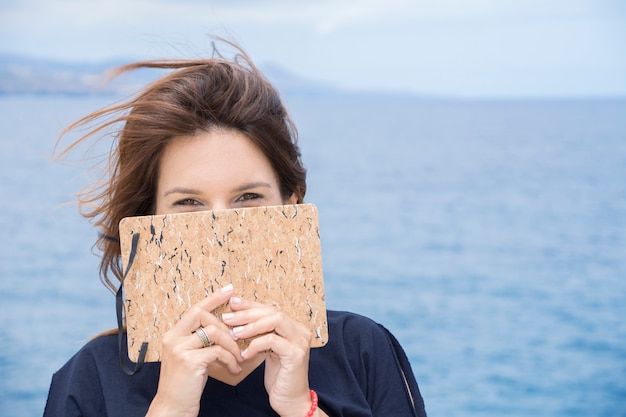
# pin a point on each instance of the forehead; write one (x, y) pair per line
(220, 156)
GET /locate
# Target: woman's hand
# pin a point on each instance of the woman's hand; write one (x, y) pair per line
(185, 362)
(286, 343)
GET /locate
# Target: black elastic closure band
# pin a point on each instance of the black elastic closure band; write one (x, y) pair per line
(107, 237)
(119, 307)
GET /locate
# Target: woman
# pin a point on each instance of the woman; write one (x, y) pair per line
(213, 134)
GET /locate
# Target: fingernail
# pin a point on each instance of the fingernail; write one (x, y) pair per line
(244, 353)
(237, 329)
(235, 300)
(233, 335)
(228, 316)
(227, 288)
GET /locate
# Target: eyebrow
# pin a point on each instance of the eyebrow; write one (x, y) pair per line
(245, 187)
(252, 185)
(181, 190)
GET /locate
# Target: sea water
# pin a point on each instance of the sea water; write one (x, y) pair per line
(488, 236)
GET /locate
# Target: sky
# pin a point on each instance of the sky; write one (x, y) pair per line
(466, 48)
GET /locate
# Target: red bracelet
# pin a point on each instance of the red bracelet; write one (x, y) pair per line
(313, 403)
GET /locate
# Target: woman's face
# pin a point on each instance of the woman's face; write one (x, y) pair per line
(214, 171)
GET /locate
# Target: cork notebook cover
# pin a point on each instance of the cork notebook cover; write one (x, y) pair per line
(269, 254)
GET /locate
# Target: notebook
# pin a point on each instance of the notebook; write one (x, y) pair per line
(269, 254)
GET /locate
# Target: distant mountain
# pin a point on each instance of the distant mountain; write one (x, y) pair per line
(23, 75)
(19, 75)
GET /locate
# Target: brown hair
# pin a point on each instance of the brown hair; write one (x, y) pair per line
(197, 96)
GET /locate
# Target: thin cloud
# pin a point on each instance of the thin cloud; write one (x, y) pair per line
(445, 45)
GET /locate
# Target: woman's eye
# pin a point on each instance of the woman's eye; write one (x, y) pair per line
(248, 196)
(186, 202)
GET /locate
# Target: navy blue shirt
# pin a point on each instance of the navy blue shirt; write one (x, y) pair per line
(362, 371)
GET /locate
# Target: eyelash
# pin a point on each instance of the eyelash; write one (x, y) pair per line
(243, 197)
(186, 202)
(248, 196)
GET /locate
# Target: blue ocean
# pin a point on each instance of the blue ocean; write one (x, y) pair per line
(488, 236)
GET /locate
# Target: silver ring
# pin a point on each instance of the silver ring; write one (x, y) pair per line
(202, 335)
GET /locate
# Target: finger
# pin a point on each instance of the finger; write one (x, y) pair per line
(209, 302)
(217, 353)
(238, 304)
(191, 346)
(200, 313)
(215, 335)
(291, 355)
(243, 311)
(253, 323)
